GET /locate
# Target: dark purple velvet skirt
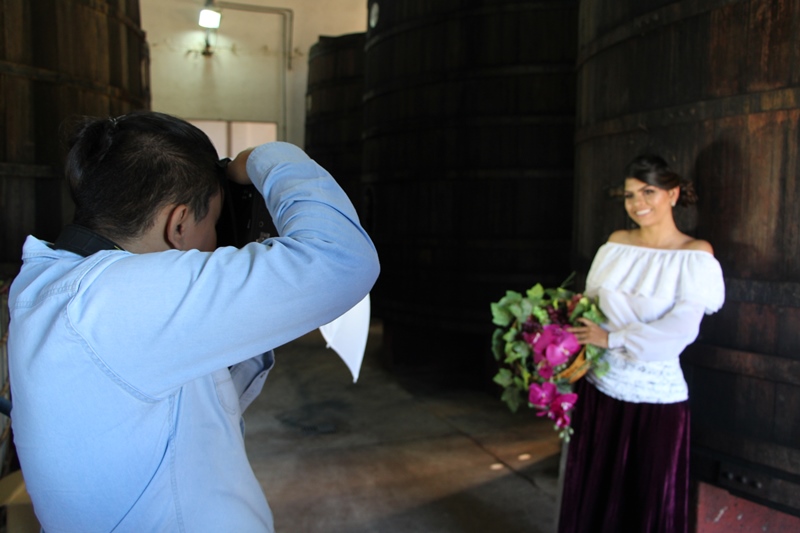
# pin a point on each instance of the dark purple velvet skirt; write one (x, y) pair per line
(627, 466)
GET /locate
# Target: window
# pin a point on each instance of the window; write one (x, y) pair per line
(231, 137)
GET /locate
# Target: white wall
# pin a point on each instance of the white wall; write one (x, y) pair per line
(243, 79)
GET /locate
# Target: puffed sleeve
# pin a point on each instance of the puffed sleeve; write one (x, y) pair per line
(631, 280)
(677, 275)
(670, 334)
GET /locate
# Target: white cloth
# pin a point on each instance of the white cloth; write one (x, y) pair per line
(347, 335)
(654, 301)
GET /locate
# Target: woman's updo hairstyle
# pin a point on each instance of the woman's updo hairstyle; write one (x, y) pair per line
(653, 170)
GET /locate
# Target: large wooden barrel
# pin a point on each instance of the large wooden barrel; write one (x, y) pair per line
(5, 385)
(468, 157)
(58, 58)
(713, 87)
(333, 108)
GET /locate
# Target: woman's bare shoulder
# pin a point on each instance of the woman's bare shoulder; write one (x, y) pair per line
(621, 236)
(698, 244)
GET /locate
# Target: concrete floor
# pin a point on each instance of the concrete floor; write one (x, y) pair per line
(394, 455)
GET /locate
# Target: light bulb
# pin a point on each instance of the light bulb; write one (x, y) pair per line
(210, 18)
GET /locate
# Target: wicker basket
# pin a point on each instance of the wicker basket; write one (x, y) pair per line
(577, 367)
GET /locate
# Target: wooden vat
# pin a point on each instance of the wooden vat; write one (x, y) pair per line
(712, 87)
(58, 58)
(468, 155)
(333, 109)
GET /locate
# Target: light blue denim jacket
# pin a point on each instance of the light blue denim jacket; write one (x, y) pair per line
(126, 417)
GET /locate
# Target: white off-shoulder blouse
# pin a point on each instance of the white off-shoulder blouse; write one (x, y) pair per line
(654, 301)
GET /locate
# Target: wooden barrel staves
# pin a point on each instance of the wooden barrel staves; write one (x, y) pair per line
(712, 87)
(468, 157)
(58, 58)
(333, 109)
(5, 385)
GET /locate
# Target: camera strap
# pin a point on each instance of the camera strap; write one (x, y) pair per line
(82, 241)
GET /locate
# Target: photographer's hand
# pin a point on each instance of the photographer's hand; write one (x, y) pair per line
(237, 169)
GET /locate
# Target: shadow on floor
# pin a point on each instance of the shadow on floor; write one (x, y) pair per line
(392, 455)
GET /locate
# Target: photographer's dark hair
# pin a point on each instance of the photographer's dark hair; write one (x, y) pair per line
(122, 171)
(653, 170)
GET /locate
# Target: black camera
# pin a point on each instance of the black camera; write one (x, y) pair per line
(244, 217)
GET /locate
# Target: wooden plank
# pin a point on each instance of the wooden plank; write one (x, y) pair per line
(751, 327)
(762, 366)
(612, 23)
(785, 459)
(787, 405)
(22, 170)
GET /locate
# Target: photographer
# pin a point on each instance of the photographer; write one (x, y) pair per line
(134, 345)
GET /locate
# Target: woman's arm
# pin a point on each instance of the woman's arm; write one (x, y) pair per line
(660, 339)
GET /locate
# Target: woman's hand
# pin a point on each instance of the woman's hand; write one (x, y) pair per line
(237, 169)
(590, 333)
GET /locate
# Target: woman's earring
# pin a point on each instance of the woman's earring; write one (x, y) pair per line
(672, 203)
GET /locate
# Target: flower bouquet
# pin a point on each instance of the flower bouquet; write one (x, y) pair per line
(540, 359)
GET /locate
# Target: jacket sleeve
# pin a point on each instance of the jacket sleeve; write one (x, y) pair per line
(156, 321)
(249, 376)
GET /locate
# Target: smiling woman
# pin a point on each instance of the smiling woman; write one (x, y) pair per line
(647, 204)
(654, 284)
(649, 174)
(652, 189)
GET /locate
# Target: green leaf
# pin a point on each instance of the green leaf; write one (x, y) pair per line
(541, 315)
(560, 293)
(595, 315)
(536, 293)
(501, 316)
(579, 311)
(512, 398)
(524, 378)
(526, 308)
(498, 346)
(504, 377)
(516, 309)
(594, 353)
(517, 351)
(511, 297)
(565, 387)
(600, 367)
(570, 279)
(510, 335)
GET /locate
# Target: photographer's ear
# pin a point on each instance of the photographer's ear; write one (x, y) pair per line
(177, 226)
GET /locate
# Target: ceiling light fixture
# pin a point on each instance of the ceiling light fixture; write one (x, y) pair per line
(209, 18)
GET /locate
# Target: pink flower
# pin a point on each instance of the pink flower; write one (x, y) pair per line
(560, 407)
(564, 347)
(544, 369)
(561, 420)
(554, 345)
(542, 395)
(531, 337)
(549, 335)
